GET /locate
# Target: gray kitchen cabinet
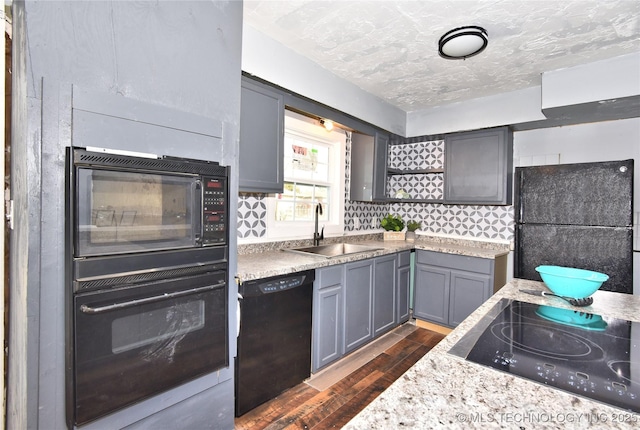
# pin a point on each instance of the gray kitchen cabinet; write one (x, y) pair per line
(476, 169)
(384, 294)
(380, 166)
(468, 292)
(403, 281)
(353, 303)
(358, 297)
(328, 311)
(368, 166)
(261, 138)
(448, 287)
(479, 167)
(431, 294)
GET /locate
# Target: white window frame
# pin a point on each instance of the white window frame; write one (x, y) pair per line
(306, 127)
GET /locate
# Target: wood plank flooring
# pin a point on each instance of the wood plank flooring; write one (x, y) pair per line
(305, 407)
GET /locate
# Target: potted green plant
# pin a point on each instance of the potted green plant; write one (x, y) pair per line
(412, 226)
(393, 225)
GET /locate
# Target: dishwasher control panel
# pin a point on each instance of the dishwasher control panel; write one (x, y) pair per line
(276, 284)
(281, 284)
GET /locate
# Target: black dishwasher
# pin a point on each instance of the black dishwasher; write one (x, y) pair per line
(274, 341)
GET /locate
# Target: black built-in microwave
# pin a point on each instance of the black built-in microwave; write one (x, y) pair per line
(131, 204)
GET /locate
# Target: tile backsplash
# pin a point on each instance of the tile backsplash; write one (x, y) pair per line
(414, 156)
(419, 155)
(477, 222)
(252, 215)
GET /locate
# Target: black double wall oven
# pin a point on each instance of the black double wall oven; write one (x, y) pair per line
(147, 269)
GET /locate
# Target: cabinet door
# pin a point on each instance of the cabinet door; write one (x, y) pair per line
(357, 304)
(327, 328)
(380, 166)
(431, 296)
(404, 280)
(384, 294)
(261, 138)
(468, 292)
(478, 167)
(327, 343)
(368, 166)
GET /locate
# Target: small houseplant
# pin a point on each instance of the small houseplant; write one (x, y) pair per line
(393, 225)
(412, 226)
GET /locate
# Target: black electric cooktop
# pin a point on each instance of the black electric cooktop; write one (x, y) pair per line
(578, 352)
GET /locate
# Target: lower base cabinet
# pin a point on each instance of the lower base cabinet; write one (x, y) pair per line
(358, 299)
(327, 344)
(403, 280)
(353, 303)
(384, 294)
(448, 287)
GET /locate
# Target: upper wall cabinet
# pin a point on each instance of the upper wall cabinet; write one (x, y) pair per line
(380, 166)
(478, 167)
(368, 166)
(261, 138)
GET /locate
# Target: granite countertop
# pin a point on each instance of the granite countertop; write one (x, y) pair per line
(445, 391)
(263, 261)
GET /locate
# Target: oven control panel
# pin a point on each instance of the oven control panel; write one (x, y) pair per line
(214, 211)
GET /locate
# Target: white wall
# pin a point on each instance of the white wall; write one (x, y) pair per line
(269, 60)
(515, 107)
(584, 143)
(601, 80)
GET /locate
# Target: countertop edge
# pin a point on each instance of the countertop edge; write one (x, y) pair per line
(270, 263)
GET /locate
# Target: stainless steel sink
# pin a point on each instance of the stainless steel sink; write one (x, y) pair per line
(333, 249)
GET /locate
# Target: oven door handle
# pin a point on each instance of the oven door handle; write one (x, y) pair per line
(116, 306)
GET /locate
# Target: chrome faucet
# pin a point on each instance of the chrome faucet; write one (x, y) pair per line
(317, 237)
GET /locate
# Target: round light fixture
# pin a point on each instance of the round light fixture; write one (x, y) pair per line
(463, 42)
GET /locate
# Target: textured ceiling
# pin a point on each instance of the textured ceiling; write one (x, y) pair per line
(389, 48)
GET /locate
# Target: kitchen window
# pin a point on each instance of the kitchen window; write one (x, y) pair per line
(313, 173)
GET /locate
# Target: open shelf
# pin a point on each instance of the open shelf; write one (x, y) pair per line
(392, 200)
(391, 171)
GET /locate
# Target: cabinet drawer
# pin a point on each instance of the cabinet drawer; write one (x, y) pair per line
(404, 258)
(329, 276)
(453, 261)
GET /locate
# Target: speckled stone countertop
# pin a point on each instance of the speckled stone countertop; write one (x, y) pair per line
(445, 391)
(265, 260)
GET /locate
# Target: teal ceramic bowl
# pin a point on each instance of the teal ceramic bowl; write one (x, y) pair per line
(571, 282)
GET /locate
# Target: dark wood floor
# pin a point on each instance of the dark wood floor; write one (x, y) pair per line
(304, 407)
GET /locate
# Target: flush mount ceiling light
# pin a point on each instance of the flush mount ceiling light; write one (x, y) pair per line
(463, 42)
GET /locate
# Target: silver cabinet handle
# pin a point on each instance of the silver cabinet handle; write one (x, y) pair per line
(238, 315)
(166, 296)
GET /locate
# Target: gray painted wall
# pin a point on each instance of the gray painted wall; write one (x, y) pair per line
(182, 56)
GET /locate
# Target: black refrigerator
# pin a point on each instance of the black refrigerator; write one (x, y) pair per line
(576, 215)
